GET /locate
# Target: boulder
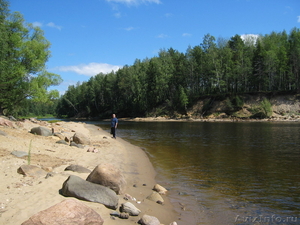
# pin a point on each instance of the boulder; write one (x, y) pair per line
(70, 211)
(43, 131)
(78, 169)
(129, 208)
(5, 122)
(79, 188)
(155, 197)
(149, 220)
(79, 138)
(109, 176)
(31, 171)
(160, 189)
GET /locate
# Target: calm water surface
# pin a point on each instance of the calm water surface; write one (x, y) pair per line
(224, 173)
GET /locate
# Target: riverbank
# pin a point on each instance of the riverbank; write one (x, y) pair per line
(23, 196)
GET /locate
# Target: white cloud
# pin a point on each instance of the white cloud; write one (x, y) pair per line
(37, 24)
(168, 15)
(117, 15)
(186, 35)
(298, 19)
(129, 28)
(162, 36)
(53, 25)
(134, 2)
(90, 69)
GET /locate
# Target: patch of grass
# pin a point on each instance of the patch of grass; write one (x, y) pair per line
(29, 152)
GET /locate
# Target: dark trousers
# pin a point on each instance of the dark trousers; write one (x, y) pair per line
(113, 131)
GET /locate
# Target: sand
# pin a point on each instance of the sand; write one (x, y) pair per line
(23, 196)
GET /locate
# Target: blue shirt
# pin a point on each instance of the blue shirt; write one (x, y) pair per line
(113, 122)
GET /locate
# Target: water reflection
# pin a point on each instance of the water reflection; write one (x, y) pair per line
(225, 168)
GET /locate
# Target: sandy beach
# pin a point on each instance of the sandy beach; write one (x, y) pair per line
(23, 196)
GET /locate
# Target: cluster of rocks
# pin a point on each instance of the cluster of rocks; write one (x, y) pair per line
(102, 185)
(68, 138)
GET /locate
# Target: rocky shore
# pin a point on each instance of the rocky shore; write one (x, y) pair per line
(68, 171)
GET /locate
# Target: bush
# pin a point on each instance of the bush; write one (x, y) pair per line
(266, 107)
(264, 110)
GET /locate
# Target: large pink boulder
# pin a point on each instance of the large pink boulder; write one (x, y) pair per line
(70, 211)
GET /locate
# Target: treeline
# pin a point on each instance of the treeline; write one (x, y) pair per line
(31, 108)
(174, 80)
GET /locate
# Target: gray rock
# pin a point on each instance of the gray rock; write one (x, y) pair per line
(79, 138)
(31, 171)
(12, 118)
(78, 169)
(124, 215)
(79, 188)
(115, 213)
(156, 197)
(43, 131)
(109, 176)
(149, 220)
(2, 133)
(62, 142)
(19, 153)
(76, 145)
(129, 208)
(70, 211)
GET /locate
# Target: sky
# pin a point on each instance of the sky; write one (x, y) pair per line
(92, 36)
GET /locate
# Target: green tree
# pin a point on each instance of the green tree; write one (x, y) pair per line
(294, 40)
(23, 54)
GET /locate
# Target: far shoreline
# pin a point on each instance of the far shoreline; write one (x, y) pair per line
(187, 119)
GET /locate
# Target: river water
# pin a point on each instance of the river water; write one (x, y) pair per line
(224, 172)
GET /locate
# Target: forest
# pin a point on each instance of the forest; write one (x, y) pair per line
(173, 81)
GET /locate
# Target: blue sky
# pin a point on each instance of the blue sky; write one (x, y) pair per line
(92, 36)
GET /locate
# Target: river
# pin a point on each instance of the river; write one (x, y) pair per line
(224, 172)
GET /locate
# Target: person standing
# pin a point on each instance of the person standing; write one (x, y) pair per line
(113, 125)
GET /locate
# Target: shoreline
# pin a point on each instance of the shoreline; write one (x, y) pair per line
(164, 119)
(24, 196)
(191, 119)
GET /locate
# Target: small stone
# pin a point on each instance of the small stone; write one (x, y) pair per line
(160, 189)
(155, 197)
(115, 213)
(19, 153)
(124, 215)
(149, 220)
(130, 209)
(173, 223)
